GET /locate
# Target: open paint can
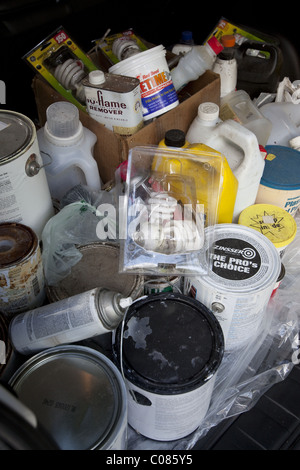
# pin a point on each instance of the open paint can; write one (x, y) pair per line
(78, 396)
(243, 267)
(169, 349)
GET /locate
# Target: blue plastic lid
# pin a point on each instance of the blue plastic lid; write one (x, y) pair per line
(282, 168)
(187, 37)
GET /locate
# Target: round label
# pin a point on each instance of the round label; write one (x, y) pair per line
(235, 259)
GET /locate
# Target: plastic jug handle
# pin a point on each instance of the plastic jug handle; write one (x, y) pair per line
(91, 172)
(271, 62)
(244, 139)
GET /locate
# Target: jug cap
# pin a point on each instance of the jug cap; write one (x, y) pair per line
(208, 111)
(228, 40)
(62, 119)
(175, 138)
(96, 77)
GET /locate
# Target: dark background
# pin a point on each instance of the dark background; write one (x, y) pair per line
(25, 23)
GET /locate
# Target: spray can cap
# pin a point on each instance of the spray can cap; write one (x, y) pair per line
(215, 45)
(208, 111)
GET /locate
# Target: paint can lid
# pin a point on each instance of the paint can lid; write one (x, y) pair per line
(171, 344)
(282, 168)
(240, 260)
(16, 243)
(272, 221)
(16, 132)
(72, 388)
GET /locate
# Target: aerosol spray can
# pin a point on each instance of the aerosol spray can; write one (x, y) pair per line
(75, 318)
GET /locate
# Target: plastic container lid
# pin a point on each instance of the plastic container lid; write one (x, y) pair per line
(272, 221)
(228, 40)
(63, 119)
(208, 111)
(282, 168)
(175, 138)
(187, 37)
(96, 77)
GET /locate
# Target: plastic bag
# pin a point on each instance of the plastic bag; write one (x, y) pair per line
(244, 376)
(85, 217)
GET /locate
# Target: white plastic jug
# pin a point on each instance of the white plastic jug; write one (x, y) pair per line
(67, 151)
(285, 119)
(240, 147)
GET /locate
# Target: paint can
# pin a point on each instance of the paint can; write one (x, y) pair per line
(280, 278)
(169, 349)
(78, 396)
(151, 68)
(22, 279)
(280, 182)
(5, 345)
(272, 221)
(25, 195)
(155, 285)
(242, 269)
(98, 267)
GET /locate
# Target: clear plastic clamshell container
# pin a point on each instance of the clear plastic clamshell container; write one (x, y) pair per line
(171, 195)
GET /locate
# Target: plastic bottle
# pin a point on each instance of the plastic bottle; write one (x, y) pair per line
(177, 138)
(195, 62)
(238, 106)
(75, 318)
(226, 65)
(67, 151)
(240, 147)
(285, 119)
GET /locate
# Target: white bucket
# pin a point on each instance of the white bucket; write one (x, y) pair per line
(78, 396)
(242, 274)
(280, 182)
(25, 195)
(157, 90)
(169, 350)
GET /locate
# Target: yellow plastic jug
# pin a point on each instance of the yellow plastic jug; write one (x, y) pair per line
(223, 206)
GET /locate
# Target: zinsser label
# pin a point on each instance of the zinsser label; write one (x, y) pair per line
(116, 105)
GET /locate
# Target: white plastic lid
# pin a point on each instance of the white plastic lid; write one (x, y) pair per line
(295, 142)
(63, 119)
(96, 77)
(208, 111)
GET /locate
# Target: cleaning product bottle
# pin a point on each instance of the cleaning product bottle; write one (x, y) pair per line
(285, 119)
(229, 184)
(240, 147)
(238, 106)
(67, 151)
(195, 62)
(185, 44)
(226, 65)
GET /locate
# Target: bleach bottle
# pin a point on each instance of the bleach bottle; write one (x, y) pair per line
(285, 119)
(67, 151)
(240, 147)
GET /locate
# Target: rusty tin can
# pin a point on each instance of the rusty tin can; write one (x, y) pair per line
(22, 282)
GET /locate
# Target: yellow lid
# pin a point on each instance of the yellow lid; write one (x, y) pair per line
(272, 221)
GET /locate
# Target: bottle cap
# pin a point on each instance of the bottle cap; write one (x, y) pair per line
(215, 45)
(63, 119)
(175, 138)
(96, 77)
(228, 40)
(208, 111)
(187, 37)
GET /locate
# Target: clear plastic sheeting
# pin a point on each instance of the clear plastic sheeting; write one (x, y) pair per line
(85, 217)
(245, 375)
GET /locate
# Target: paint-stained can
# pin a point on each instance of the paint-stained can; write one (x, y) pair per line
(78, 396)
(98, 267)
(25, 195)
(170, 347)
(155, 285)
(22, 282)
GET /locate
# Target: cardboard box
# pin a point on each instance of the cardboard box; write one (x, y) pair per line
(111, 149)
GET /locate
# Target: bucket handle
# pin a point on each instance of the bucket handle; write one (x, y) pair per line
(32, 167)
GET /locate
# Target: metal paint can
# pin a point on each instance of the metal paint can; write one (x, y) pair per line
(243, 267)
(98, 267)
(78, 396)
(22, 282)
(155, 285)
(169, 350)
(25, 195)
